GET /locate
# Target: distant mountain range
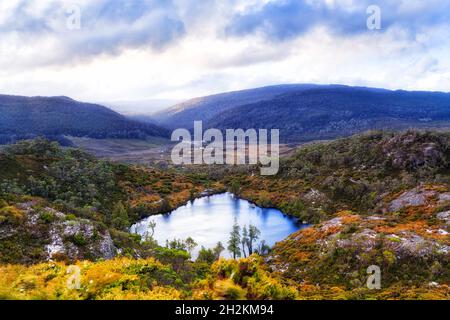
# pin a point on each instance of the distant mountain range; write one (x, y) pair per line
(54, 117)
(308, 112)
(302, 112)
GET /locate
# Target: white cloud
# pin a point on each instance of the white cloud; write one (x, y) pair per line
(145, 56)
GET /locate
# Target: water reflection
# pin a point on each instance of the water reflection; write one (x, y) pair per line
(209, 220)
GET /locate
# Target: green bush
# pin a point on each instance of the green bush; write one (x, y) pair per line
(47, 217)
(79, 240)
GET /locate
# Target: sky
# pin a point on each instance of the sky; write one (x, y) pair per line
(171, 50)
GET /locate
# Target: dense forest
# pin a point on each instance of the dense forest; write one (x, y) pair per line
(56, 117)
(184, 114)
(306, 112)
(336, 111)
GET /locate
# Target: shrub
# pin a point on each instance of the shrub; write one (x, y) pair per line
(79, 240)
(228, 290)
(224, 268)
(71, 217)
(11, 214)
(47, 217)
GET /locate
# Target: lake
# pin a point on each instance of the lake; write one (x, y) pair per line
(210, 219)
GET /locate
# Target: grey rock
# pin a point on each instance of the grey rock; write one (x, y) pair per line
(415, 197)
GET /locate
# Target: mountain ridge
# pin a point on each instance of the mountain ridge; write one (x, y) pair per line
(311, 112)
(27, 117)
(245, 96)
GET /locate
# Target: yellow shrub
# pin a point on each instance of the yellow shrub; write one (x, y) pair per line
(228, 290)
(10, 213)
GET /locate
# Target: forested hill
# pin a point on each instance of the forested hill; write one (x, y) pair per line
(328, 113)
(24, 117)
(311, 112)
(205, 108)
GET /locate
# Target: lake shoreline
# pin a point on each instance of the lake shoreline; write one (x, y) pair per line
(210, 194)
(209, 219)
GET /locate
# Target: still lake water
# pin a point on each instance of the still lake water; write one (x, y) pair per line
(210, 219)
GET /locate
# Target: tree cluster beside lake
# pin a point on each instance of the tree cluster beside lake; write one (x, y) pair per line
(242, 244)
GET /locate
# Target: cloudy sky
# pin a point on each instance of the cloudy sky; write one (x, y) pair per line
(177, 49)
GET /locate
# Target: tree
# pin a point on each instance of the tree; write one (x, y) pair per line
(190, 244)
(120, 219)
(218, 250)
(206, 255)
(253, 235)
(176, 257)
(234, 241)
(176, 244)
(263, 248)
(244, 240)
(151, 227)
(235, 187)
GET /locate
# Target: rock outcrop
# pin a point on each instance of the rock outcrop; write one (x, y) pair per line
(32, 233)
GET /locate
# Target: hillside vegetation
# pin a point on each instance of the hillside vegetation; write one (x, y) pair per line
(314, 112)
(184, 114)
(378, 199)
(355, 173)
(328, 113)
(66, 203)
(55, 117)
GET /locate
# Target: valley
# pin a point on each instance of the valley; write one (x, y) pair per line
(151, 150)
(148, 151)
(209, 152)
(372, 199)
(84, 187)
